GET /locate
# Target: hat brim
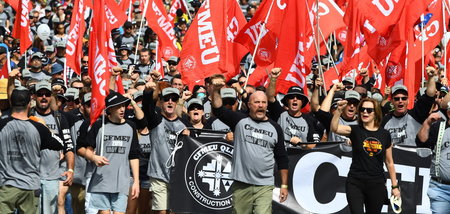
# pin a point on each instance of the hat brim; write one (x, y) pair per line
(352, 98)
(304, 98)
(125, 101)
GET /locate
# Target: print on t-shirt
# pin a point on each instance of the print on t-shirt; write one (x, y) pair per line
(372, 146)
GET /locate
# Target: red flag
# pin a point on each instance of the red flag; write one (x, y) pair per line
(204, 50)
(74, 50)
(293, 44)
(21, 28)
(125, 5)
(99, 65)
(114, 14)
(235, 51)
(176, 4)
(259, 77)
(160, 24)
(330, 17)
(248, 36)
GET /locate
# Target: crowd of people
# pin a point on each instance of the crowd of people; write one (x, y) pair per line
(53, 159)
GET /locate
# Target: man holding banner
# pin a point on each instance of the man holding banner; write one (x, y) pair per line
(259, 143)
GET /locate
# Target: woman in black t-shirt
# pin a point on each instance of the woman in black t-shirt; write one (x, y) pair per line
(371, 146)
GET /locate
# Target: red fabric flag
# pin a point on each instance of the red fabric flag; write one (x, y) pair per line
(176, 4)
(248, 36)
(259, 77)
(293, 45)
(4, 73)
(114, 14)
(331, 76)
(204, 51)
(330, 17)
(74, 50)
(21, 28)
(124, 5)
(99, 65)
(160, 24)
(235, 51)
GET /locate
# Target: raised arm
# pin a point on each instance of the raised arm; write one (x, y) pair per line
(326, 103)
(335, 126)
(315, 103)
(424, 131)
(217, 83)
(271, 89)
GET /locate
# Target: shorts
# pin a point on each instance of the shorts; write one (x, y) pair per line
(145, 184)
(108, 201)
(160, 194)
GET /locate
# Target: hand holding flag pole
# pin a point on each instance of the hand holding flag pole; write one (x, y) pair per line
(139, 32)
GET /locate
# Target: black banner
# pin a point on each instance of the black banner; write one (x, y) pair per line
(201, 178)
(200, 181)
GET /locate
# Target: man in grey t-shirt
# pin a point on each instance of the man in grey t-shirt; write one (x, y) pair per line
(258, 145)
(21, 142)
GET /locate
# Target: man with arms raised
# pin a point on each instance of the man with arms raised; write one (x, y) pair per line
(259, 143)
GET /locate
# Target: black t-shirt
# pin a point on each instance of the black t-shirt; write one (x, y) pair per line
(369, 152)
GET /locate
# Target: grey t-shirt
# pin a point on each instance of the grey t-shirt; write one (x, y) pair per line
(50, 160)
(120, 145)
(21, 142)
(257, 146)
(404, 129)
(215, 124)
(444, 161)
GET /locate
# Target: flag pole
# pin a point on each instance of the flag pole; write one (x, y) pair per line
(139, 32)
(103, 134)
(187, 8)
(263, 27)
(422, 18)
(129, 11)
(332, 60)
(317, 44)
(445, 42)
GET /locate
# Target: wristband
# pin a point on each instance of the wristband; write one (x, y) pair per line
(70, 170)
(394, 187)
(284, 186)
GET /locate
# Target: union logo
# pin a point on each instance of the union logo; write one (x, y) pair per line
(372, 146)
(264, 54)
(189, 63)
(207, 175)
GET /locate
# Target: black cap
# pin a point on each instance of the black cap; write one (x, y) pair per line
(127, 24)
(2, 50)
(115, 99)
(20, 96)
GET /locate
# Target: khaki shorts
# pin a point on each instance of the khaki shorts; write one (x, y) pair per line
(160, 194)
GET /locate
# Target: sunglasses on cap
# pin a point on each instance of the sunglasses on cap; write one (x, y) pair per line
(368, 110)
(41, 94)
(398, 98)
(173, 98)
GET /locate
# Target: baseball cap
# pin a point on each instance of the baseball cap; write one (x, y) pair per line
(26, 73)
(138, 94)
(309, 79)
(124, 47)
(84, 69)
(173, 59)
(72, 92)
(396, 204)
(139, 82)
(169, 91)
(296, 90)
(399, 88)
(228, 93)
(152, 46)
(126, 84)
(87, 97)
(43, 85)
(115, 99)
(57, 68)
(194, 102)
(352, 95)
(37, 55)
(127, 24)
(49, 48)
(377, 96)
(3, 89)
(20, 96)
(58, 81)
(350, 80)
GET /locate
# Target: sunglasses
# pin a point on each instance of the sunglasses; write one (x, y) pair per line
(349, 86)
(172, 63)
(368, 110)
(398, 98)
(173, 98)
(241, 83)
(41, 94)
(294, 96)
(84, 61)
(77, 101)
